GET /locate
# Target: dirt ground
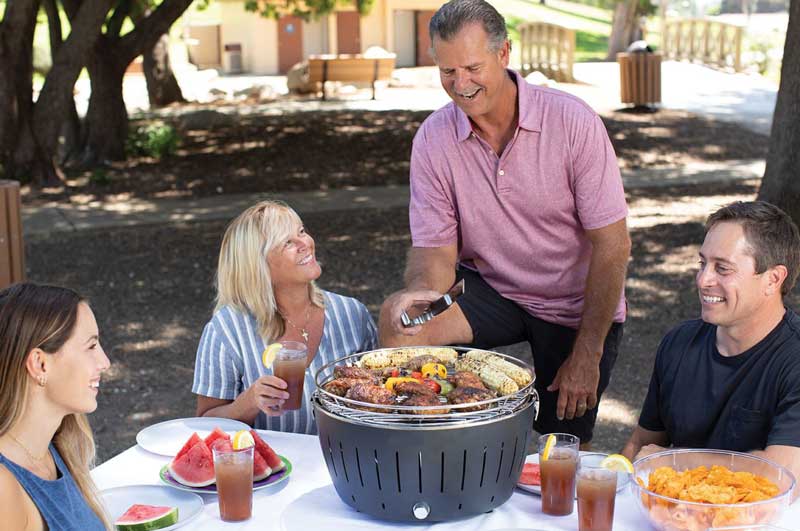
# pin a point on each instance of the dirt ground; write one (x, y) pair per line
(152, 286)
(320, 150)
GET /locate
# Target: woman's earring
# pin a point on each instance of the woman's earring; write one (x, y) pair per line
(42, 380)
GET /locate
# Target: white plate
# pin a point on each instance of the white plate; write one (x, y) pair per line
(622, 477)
(167, 438)
(119, 499)
(268, 481)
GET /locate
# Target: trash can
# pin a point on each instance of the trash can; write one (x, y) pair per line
(233, 58)
(640, 75)
(12, 250)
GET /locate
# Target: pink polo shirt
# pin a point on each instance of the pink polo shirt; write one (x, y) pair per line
(520, 219)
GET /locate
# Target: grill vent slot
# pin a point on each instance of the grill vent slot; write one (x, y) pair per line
(513, 457)
(378, 470)
(419, 473)
(441, 481)
(358, 465)
(483, 466)
(463, 472)
(500, 464)
(333, 464)
(397, 469)
(344, 465)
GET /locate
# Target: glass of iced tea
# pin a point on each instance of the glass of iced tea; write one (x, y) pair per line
(597, 490)
(290, 366)
(558, 472)
(234, 474)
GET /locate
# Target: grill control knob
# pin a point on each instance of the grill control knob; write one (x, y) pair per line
(421, 510)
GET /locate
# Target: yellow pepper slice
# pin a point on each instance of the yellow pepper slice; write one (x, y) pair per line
(430, 370)
(394, 380)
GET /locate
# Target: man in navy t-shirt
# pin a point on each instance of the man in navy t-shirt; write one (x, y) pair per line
(731, 380)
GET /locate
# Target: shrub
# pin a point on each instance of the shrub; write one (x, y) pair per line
(155, 139)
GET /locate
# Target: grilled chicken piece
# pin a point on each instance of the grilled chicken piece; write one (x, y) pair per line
(346, 371)
(424, 400)
(374, 394)
(414, 389)
(469, 395)
(339, 386)
(416, 363)
(466, 379)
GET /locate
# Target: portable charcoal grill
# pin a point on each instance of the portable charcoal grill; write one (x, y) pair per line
(396, 465)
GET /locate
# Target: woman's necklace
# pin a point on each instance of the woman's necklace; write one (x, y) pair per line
(25, 448)
(303, 331)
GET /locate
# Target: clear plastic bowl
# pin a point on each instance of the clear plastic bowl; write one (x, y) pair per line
(670, 514)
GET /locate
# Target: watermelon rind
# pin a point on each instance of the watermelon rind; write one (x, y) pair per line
(260, 468)
(147, 518)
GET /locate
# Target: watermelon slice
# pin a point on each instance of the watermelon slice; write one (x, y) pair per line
(269, 455)
(531, 474)
(194, 439)
(260, 468)
(147, 518)
(215, 436)
(195, 467)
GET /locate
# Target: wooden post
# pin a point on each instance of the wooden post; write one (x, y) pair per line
(12, 249)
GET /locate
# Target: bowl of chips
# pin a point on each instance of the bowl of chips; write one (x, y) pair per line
(698, 490)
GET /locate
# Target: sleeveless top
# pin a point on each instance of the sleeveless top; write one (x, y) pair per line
(60, 502)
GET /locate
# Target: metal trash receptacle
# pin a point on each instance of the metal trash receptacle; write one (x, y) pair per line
(640, 77)
(233, 58)
(12, 249)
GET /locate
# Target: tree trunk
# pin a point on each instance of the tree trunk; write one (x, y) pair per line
(781, 183)
(106, 128)
(162, 87)
(624, 29)
(106, 123)
(16, 86)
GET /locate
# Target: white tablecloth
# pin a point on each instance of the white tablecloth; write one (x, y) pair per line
(307, 501)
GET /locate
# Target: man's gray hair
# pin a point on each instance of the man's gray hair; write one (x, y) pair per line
(455, 14)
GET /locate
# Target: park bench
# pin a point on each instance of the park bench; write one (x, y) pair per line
(349, 68)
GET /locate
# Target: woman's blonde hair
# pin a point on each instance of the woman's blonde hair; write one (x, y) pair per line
(243, 276)
(35, 316)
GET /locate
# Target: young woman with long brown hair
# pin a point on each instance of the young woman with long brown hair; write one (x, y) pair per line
(50, 367)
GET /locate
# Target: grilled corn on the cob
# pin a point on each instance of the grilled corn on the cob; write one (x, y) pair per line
(399, 356)
(520, 376)
(492, 377)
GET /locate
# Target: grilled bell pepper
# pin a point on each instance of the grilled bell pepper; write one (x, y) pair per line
(391, 382)
(429, 370)
(432, 385)
(445, 386)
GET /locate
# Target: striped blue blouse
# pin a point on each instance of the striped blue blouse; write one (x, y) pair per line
(229, 356)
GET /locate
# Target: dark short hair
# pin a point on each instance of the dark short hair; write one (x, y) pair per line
(772, 235)
(455, 14)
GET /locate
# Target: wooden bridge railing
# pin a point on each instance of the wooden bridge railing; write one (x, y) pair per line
(548, 48)
(709, 42)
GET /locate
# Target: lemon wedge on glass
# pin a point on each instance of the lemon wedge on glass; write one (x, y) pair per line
(548, 447)
(243, 439)
(268, 356)
(618, 463)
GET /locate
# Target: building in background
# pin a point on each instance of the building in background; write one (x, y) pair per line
(227, 37)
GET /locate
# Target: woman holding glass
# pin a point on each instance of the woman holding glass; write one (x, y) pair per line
(266, 294)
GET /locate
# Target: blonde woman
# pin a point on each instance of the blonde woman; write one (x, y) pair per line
(50, 367)
(266, 293)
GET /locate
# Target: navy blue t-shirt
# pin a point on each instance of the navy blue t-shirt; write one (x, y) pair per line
(745, 402)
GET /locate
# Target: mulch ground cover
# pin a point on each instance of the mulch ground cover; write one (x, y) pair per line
(152, 290)
(320, 150)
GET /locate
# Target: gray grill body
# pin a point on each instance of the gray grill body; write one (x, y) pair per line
(425, 473)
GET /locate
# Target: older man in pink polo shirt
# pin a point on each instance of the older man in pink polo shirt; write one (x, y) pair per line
(515, 188)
